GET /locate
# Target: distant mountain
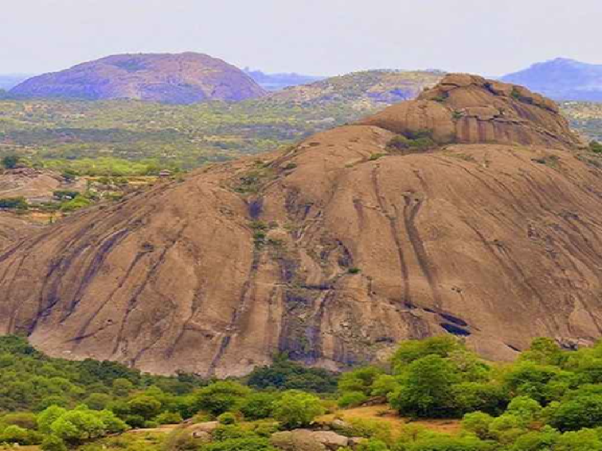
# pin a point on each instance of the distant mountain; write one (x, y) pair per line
(276, 82)
(562, 79)
(8, 81)
(365, 90)
(184, 78)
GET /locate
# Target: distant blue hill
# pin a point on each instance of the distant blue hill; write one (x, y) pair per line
(9, 81)
(276, 82)
(562, 79)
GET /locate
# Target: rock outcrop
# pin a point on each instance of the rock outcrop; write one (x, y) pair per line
(470, 109)
(334, 250)
(168, 78)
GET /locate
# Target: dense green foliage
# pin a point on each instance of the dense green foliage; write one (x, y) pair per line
(550, 399)
(136, 137)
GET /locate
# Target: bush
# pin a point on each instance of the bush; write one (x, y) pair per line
(412, 350)
(227, 418)
(352, 399)
(478, 423)
(258, 406)
(10, 161)
(13, 203)
(169, 418)
(241, 444)
(53, 443)
(475, 396)
(595, 147)
(284, 374)
(221, 397)
(146, 406)
(581, 412)
(77, 203)
(359, 380)
(297, 409)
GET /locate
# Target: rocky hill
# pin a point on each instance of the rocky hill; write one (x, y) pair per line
(168, 78)
(562, 79)
(472, 211)
(367, 89)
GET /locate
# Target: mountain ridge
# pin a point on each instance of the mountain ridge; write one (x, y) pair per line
(562, 79)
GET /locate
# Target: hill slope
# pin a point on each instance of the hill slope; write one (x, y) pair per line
(169, 78)
(562, 79)
(487, 226)
(365, 89)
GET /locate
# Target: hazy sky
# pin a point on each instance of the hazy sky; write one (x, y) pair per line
(309, 36)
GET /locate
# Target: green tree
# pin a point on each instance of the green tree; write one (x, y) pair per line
(49, 416)
(297, 409)
(145, 406)
(78, 426)
(581, 412)
(412, 350)
(427, 389)
(258, 406)
(10, 161)
(221, 397)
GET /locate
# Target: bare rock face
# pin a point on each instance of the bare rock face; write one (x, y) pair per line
(470, 109)
(13, 228)
(333, 251)
(168, 78)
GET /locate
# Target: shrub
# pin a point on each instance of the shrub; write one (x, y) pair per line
(10, 161)
(581, 412)
(359, 380)
(478, 423)
(221, 397)
(352, 399)
(77, 203)
(13, 203)
(258, 406)
(169, 418)
(595, 147)
(297, 409)
(240, 444)
(53, 443)
(412, 350)
(145, 406)
(285, 374)
(227, 418)
(485, 397)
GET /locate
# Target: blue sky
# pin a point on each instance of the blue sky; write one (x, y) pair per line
(309, 36)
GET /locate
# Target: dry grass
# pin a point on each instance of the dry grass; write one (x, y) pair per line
(382, 413)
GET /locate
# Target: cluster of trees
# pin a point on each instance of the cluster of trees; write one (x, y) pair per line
(549, 399)
(58, 403)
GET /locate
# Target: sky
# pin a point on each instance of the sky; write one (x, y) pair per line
(319, 37)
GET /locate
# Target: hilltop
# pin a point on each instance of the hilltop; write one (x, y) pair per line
(365, 90)
(168, 78)
(471, 211)
(562, 79)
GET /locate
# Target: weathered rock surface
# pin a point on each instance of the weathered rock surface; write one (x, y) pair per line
(35, 185)
(306, 440)
(332, 251)
(470, 109)
(169, 78)
(13, 228)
